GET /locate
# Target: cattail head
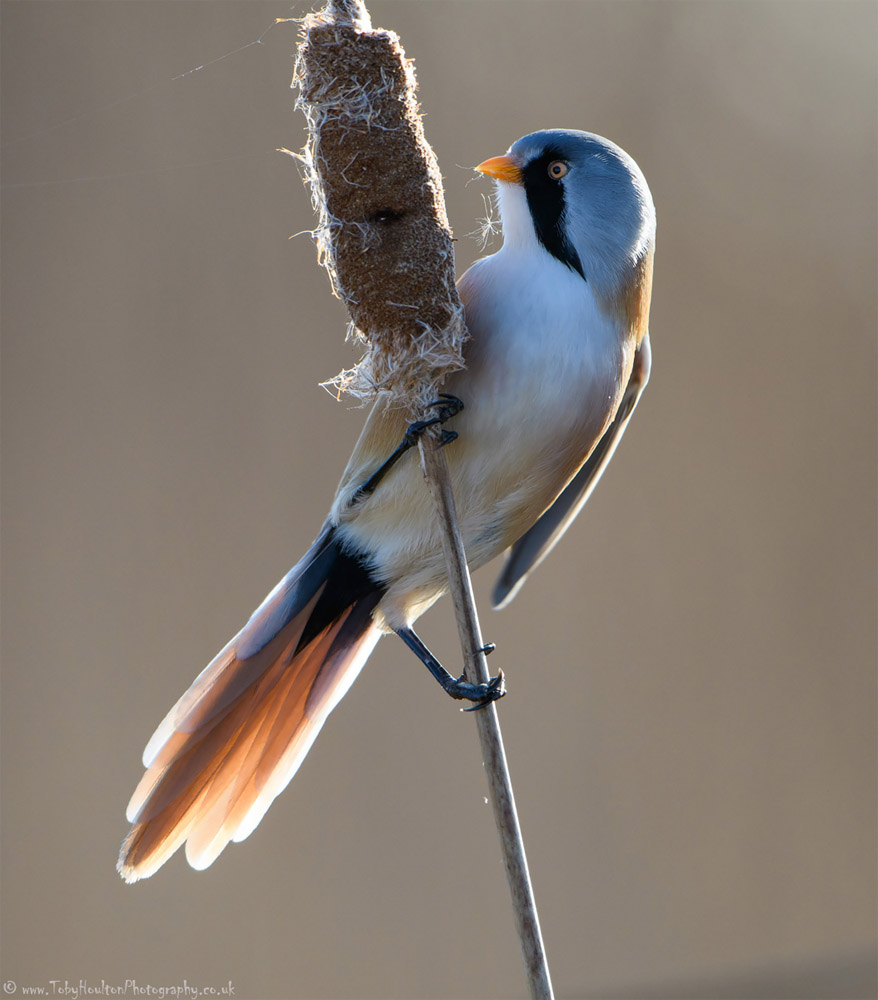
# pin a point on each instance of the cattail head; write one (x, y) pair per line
(382, 234)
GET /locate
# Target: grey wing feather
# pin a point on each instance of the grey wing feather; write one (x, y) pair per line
(533, 546)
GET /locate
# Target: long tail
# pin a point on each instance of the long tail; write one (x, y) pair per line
(234, 740)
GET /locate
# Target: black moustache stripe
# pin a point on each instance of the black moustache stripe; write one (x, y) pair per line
(545, 199)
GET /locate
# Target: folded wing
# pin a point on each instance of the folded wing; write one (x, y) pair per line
(534, 545)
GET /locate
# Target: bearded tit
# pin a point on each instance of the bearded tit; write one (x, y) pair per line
(557, 358)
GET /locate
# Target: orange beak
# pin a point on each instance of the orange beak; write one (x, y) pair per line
(503, 168)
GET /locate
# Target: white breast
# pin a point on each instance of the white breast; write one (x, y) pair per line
(545, 372)
(540, 344)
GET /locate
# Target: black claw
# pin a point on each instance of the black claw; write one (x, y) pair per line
(487, 649)
(494, 691)
(447, 399)
(446, 437)
(415, 430)
(448, 406)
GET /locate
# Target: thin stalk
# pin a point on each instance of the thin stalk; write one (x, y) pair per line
(501, 796)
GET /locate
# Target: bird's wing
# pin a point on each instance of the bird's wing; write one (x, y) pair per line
(533, 546)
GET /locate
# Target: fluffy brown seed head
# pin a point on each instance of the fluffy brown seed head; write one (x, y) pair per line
(383, 233)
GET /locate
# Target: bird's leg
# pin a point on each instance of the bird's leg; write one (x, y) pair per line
(447, 406)
(480, 694)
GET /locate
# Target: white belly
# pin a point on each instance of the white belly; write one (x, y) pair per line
(545, 372)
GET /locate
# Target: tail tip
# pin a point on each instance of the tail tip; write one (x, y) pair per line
(129, 871)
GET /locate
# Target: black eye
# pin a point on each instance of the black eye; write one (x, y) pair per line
(557, 169)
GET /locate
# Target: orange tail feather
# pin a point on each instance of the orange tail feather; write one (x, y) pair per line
(232, 743)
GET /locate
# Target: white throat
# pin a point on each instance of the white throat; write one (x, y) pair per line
(518, 226)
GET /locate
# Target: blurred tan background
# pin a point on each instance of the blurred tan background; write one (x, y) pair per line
(691, 719)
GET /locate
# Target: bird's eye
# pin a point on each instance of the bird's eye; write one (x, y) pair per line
(557, 169)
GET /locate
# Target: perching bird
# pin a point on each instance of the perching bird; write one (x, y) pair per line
(558, 356)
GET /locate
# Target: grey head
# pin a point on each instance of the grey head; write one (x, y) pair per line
(587, 201)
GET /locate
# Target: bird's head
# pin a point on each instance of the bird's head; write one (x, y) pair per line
(580, 198)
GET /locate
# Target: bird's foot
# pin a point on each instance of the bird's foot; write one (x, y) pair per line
(447, 406)
(481, 695)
